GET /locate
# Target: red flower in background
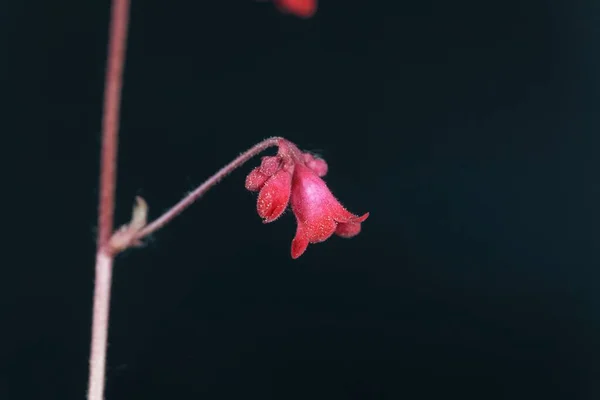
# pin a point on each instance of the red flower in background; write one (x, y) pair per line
(293, 177)
(300, 8)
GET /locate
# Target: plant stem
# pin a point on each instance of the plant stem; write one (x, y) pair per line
(203, 188)
(110, 119)
(108, 171)
(104, 263)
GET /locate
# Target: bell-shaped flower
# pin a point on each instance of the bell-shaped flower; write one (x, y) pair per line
(294, 177)
(318, 213)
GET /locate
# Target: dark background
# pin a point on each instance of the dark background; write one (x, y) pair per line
(468, 129)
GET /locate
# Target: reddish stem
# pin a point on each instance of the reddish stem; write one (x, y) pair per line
(203, 188)
(108, 170)
(110, 119)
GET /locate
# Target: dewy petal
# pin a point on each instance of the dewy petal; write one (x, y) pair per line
(350, 229)
(311, 199)
(274, 196)
(318, 213)
(255, 180)
(270, 165)
(300, 242)
(320, 229)
(318, 165)
(293, 177)
(314, 205)
(342, 215)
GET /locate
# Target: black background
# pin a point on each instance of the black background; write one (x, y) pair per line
(468, 129)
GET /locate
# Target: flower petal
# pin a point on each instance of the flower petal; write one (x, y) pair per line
(321, 229)
(341, 215)
(318, 165)
(300, 8)
(348, 230)
(352, 228)
(274, 196)
(270, 165)
(300, 242)
(255, 180)
(314, 206)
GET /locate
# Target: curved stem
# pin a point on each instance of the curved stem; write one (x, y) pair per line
(203, 188)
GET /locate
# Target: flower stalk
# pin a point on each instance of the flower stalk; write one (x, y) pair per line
(292, 177)
(119, 22)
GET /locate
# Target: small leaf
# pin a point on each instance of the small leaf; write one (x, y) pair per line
(125, 236)
(139, 217)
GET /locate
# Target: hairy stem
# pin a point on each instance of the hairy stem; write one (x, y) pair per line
(203, 188)
(108, 171)
(106, 249)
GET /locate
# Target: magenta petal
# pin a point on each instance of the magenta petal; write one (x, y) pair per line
(318, 165)
(321, 229)
(300, 242)
(340, 214)
(274, 196)
(314, 205)
(270, 165)
(352, 228)
(255, 180)
(348, 230)
(300, 8)
(294, 177)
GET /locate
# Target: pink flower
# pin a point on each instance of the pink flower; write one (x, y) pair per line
(300, 8)
(293, 177)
